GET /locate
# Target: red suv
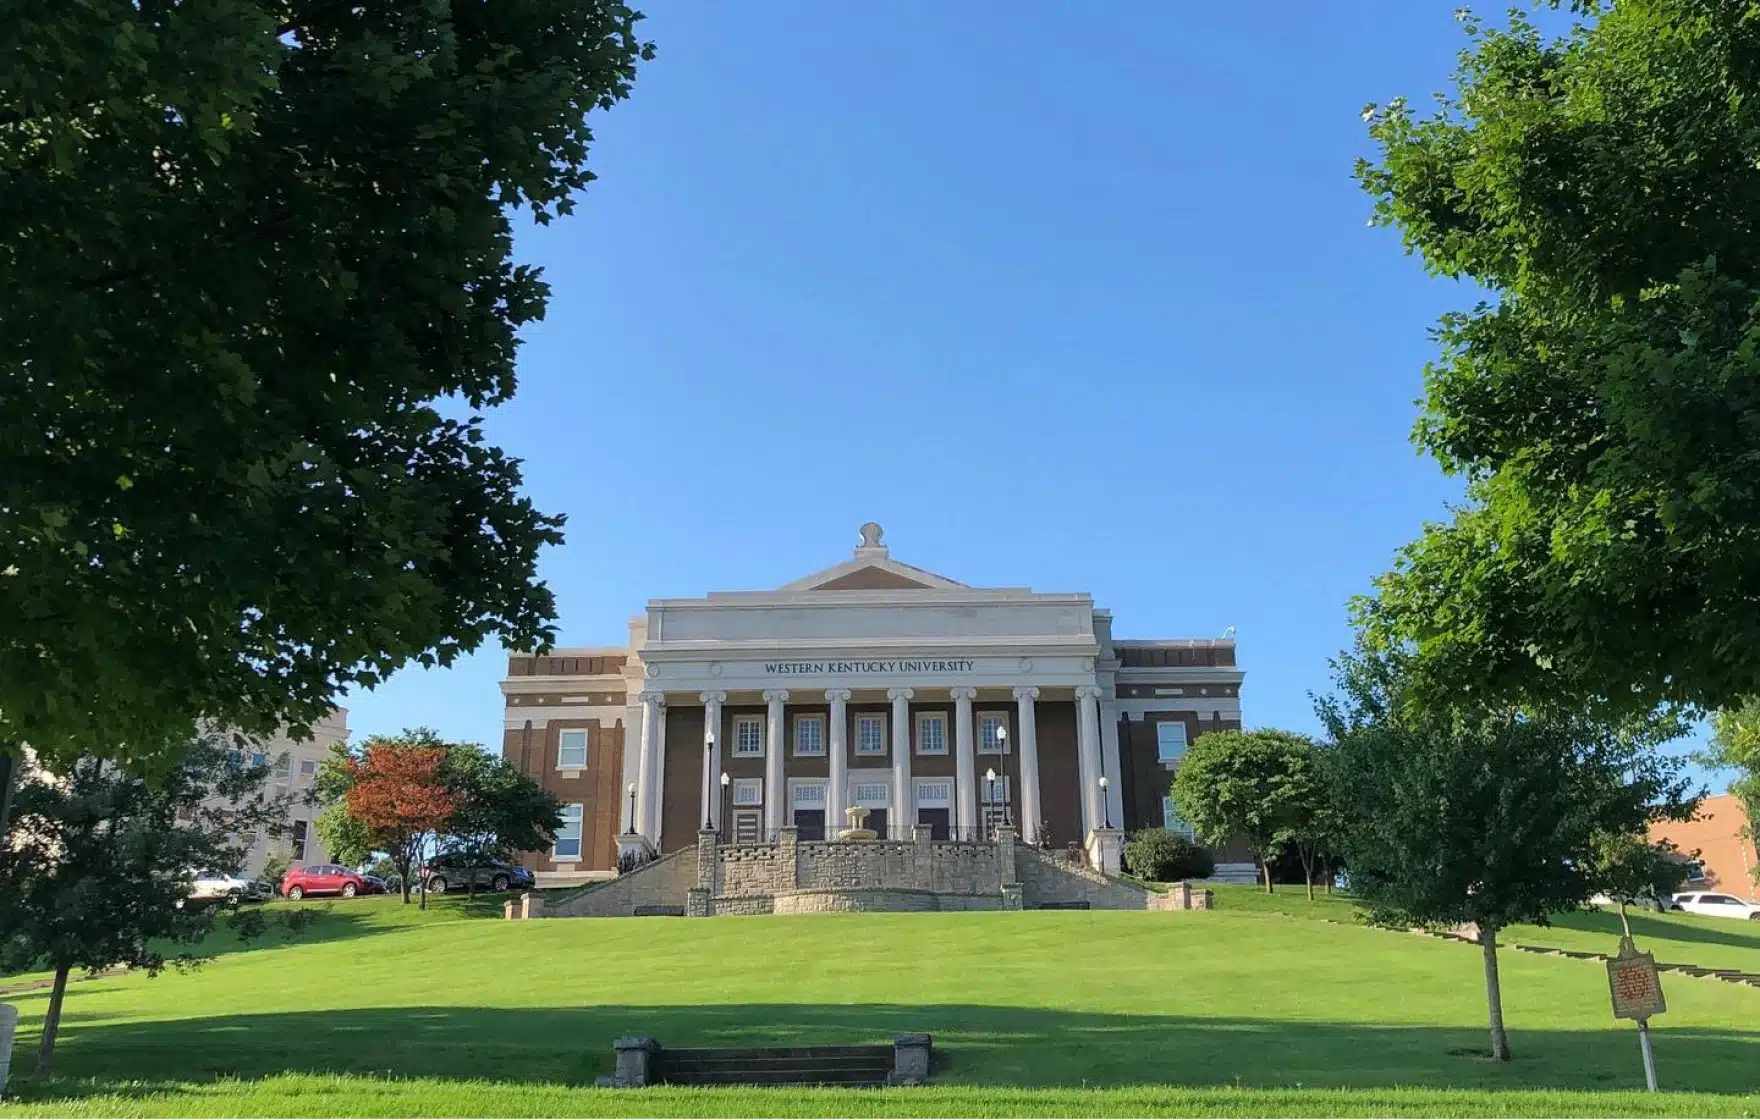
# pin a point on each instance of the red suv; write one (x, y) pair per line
(322, 878)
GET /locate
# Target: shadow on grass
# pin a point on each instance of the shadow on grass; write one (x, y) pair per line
(1650, 926)
(975, 1045)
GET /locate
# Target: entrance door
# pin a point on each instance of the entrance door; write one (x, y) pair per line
(877, 822)
(810, 824)
(938, 821)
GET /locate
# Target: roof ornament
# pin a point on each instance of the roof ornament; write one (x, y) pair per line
(871, 536)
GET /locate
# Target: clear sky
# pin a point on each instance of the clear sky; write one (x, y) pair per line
(1073, 296)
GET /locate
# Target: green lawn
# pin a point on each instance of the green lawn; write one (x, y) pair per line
(1242, 1011)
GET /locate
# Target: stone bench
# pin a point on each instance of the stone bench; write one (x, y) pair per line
(643, 1061)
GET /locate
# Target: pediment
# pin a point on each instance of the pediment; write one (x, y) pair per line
(872, 568)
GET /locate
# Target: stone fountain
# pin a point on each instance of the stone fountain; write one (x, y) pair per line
(858, 818)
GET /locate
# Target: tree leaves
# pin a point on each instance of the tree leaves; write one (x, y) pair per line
(253, 244)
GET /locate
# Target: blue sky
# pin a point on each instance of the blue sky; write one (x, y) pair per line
(1080, 297)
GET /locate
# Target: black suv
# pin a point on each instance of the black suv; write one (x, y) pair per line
(451, 872)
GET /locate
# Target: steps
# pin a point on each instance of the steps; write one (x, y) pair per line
(801, 1065)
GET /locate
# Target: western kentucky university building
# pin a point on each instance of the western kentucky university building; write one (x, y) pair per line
(871, 685)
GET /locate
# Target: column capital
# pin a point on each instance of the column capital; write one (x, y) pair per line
(837, 695)
(964, 692)
(1088, 692)
(1026, 692)
(712, 697)
(900, 693)
(658, 699)
(776, 696)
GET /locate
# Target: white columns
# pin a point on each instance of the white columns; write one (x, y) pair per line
(837, 782)
(648, 773)
(1109, 762)
(1027, 738)
(1088, 751)
(712, 702)
(904, 801)
(965, 763)
(775, 789)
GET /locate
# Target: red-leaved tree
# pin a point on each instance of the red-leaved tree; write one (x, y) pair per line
(398, 794)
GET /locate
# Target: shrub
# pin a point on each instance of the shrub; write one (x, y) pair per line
(1164, 857)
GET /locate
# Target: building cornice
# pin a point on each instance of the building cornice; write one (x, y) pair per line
(1180, 674)
(769, 649)
(894, 598)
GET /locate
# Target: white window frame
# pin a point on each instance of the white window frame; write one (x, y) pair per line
(805, 720)
(871, 790)
(575, 813)
(931, 717)
(1161, 745)
(986, 788)
(1173, 822)
(740, 723)
(308, 767)
(797, 786)
(562, 748)
(1002, 722)
(748, 793)
(942, 786)
(871, 719)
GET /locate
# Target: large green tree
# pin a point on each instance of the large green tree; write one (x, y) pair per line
(1603, 406)
(500, 811)
(1457, 815)
(260, 288)
(1260, 786)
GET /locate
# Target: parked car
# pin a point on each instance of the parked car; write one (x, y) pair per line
(1715, 905)
(214, 886)
(374, 885)
(322, 878)
(454, 872)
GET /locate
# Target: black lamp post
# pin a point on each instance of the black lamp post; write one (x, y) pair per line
(630, 831)
(725, 782)
(1105, 806)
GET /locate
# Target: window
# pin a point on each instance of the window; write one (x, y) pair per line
(992, 733)
(258, 758)
(871, 734)
(993, 792)
(1170, 741)
(931, 733)
(748, 735)
(1695, 871)
(1720, 900)
(1173, 822)
(568, 837)
(873, 794)
(283, 766)
(748, 791)
(809, 796)
(934, 794)
(571, 753)
(809, 735)
(745, 827)
(308, 767)
(299, 841)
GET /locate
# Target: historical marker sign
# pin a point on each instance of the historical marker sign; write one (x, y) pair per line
(1637, 989)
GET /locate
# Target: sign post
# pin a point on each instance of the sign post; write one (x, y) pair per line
(1637, 995)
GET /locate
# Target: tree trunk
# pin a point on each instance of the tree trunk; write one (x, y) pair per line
(1493, 992)
(1266, 865)
(51, 1024)
(1309, 875)
(8, 772)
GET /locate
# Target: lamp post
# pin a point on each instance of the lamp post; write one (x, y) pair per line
(1105, 806)
(1002, 749)
(631, 830)
(990, 787)
(725, 782)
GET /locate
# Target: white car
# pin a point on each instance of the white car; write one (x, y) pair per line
(1717, 905)
(215, 886)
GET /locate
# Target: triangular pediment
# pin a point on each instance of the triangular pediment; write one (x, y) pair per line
(872, 568)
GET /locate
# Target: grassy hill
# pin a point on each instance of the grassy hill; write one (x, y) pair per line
(1255, 1009)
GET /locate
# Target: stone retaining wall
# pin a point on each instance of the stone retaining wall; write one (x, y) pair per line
(665, 882)
(1047, 879)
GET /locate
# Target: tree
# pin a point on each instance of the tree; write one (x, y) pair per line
(1460, 815)
(1735, 745)
(389, 795)
(261, 289)
(1630, 869)
(1602, 407)
(97, 868)
(1163, 856)
(1258, 785)
(498, 810)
